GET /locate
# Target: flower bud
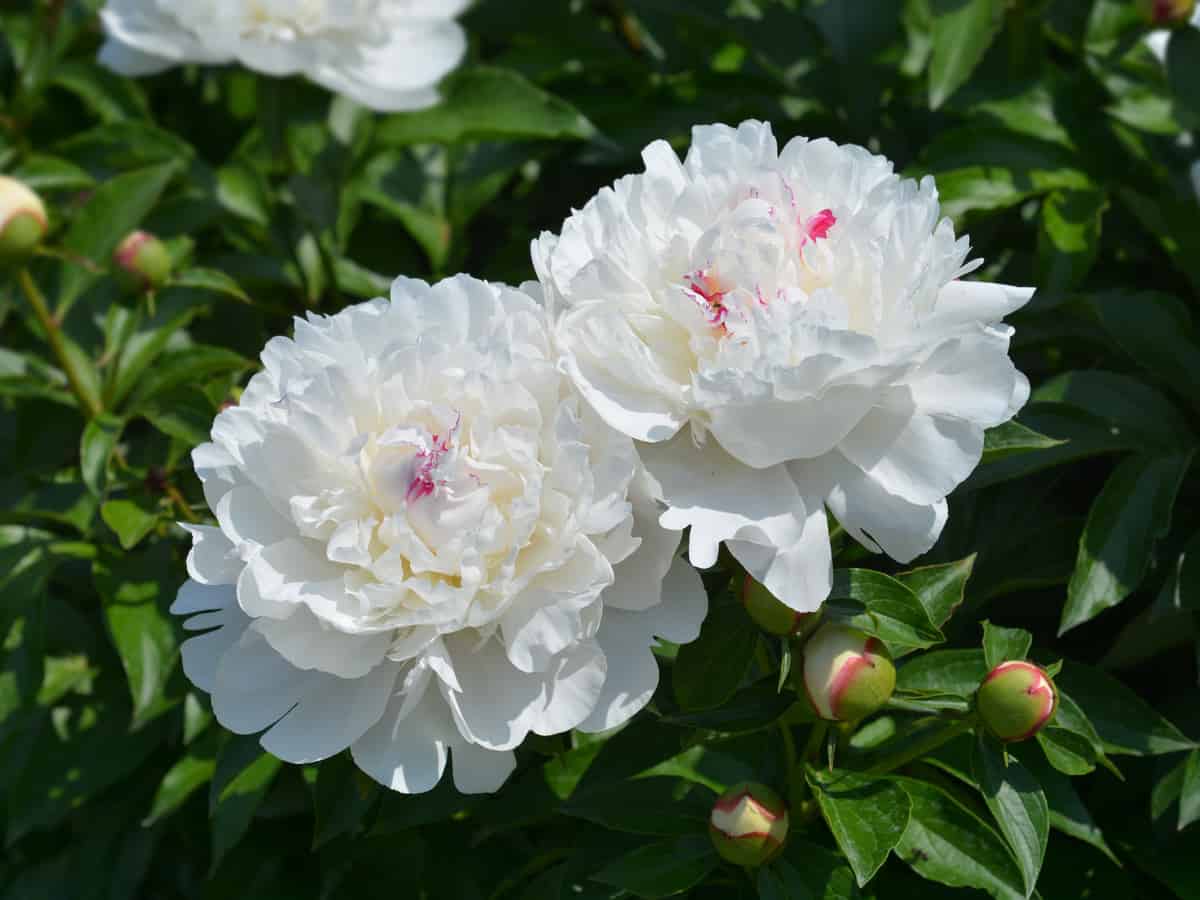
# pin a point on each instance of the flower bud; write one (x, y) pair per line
(22, 220)
(142, 262)
(748, 824)
(1016, 700)
(770, 614)
(1167, 13)
(847, 674)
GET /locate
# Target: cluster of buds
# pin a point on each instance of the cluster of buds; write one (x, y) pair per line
(22, 221)
(1016, 700)
(1167, 13)
(748, 824)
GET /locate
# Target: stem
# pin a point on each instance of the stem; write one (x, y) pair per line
(178, 499)
(54, 338)
(930, 742)
(816, 740)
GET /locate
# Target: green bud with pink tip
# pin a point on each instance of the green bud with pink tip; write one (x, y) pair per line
(771, 614)
(748, 824)
(22, 221)
(847, 674)
(142, 262)
(1016, 700)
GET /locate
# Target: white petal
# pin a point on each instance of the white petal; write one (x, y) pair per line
(574, 687)
(125, 59)
(638, 579)
(308, 643)
(497, 703)
(248, 519)
(722, 499)
(639, 414)
(332, 716)
(225, 623)
(971, 377)
(477, 770)
(407, 754)
(799, 574)
(875, 518)
(255, 686)
(960, 302)
(919, 457)
(213, 558)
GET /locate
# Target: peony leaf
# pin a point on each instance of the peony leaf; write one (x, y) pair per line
(662, 869)
(1069, 238)
(881, 606)
(943, 671)
(1183, 74)
(1189, 792)
(190, 773)
(656, 806)
(962, 32)
(342, 798)
(807, 871)
(136, 590)
(1012, 438)
(131, 521)
(96, 447)
(947, 843)
(486, 102)
(1018, 804)
(866, 815)
(709, 670)
(1123, 722)
(244, 773)
(1131, 513)
(940, 588)
(1003, 644)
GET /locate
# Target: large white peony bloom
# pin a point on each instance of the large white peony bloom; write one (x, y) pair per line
(427, 545)
(385, 54)
(787, 332)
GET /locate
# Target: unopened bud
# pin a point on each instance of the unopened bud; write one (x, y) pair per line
(1167, 13)
(772, 615)
(847, 674)
(1016, 700)
(22, 220)
(142, 262)
(748, 824)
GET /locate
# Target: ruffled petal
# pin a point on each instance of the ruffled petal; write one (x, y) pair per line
(407, 753)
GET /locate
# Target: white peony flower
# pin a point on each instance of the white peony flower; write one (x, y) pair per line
(427, 545)
(787, 332)
(385, 54)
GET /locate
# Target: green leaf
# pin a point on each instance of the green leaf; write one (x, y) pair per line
(962, 32)
(662, 869)
(484, 102)
(943, 671)
(1068, 751)
(189, 365)
(136, 590)
(1069, 238)
(1127, 408)
(939, 588)
(185, 413)
(1183, 74)
(947, 843)
(1002, 644)
(710, 669)
(866, 815)
(211, 280)
(106, 94)
(1013, 438)
(808, 871)
(753, 708)
(1067, 811)
(657, 806)
(189, 773)
(1123, 721)
(1156, 331)
(40, 172)
(96, 447)
(1189, 794)
(342, 797)
(1018, 805)
(1132, 511)
(116, 208)
(130, 520)
(244, 773)
(881, 606)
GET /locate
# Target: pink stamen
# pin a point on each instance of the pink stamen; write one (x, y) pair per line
(423, 483)
(817, 227)
(707, 290)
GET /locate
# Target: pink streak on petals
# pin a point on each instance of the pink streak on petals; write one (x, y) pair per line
(817, 227)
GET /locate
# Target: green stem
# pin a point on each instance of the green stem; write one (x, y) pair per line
(89, 404)
(816, 740)
(927, 744)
